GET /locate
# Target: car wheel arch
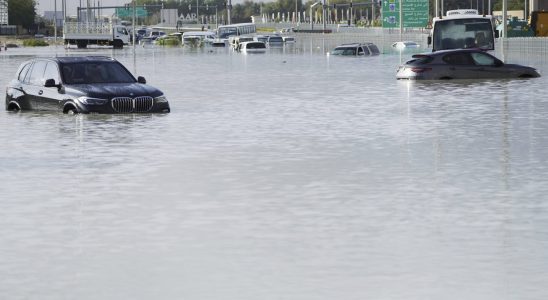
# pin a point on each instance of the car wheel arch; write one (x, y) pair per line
(70, 108)
(13, 106)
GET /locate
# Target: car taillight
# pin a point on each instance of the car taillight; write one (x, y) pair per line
(420, 70)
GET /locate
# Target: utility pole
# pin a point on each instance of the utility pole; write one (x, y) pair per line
(228, 9)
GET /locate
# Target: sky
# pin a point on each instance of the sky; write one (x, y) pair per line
(45, 5)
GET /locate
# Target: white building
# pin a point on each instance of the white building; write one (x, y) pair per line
(3, 12)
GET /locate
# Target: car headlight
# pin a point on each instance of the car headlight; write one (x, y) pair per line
(92, 101)
(160, 99)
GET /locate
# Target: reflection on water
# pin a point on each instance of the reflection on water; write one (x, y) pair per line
(288, 175)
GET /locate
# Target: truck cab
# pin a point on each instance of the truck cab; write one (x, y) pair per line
(463, 28)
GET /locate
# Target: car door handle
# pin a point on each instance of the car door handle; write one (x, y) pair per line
(452, 68)
(40, 92)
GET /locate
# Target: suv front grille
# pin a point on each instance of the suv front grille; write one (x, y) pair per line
(129, 105)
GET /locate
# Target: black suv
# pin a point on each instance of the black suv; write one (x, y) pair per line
(89, 84)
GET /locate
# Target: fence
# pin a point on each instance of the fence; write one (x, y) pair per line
(515, 49)
(383, 38)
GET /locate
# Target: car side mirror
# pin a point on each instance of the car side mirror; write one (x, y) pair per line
(429, 40)
(141, 79)
(51, 83)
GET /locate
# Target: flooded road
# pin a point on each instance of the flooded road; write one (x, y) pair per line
(287, 175)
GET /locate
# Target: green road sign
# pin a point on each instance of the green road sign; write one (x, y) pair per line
(415, 13)
(128, 12)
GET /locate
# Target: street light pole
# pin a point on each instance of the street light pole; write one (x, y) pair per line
(55, 21)
(133, 25)
(296, 12)
(311, 16)
(324, 6)
(401, 20)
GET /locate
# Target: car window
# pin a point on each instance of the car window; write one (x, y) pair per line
(360, 51)
(52, 72)
(95, 72)
(374, 49)
(458, 59)
(23, 72)
(346, 51)
(37, 72)
(483, 59)
(421, 60)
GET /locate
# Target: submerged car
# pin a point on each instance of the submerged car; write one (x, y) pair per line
(461, 64)
(356, 49)
(405, 45)
(251, 47)
(89, 84)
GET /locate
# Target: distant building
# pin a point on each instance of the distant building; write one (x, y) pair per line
(3, 12)
(168, 17)
(50, 16)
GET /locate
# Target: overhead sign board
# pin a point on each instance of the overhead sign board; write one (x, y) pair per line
(128, 12)
(415, 13)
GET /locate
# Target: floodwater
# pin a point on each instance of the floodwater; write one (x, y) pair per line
(284, 175)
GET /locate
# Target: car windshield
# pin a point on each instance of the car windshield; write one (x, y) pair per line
(95, 72)
(463, 33)
(255, 46)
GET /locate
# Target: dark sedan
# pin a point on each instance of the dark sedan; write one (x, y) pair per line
(461, 64)
(90, 84)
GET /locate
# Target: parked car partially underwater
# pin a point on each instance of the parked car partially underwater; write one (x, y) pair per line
(89, 84)
(461, 64)
(405, 45)
(356, 49)
(251, 47)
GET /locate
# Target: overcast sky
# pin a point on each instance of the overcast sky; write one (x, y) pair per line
(44, 5)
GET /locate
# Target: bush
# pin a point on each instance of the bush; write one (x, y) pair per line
(34, 43)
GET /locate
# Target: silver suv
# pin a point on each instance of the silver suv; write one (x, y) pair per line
(356, 49)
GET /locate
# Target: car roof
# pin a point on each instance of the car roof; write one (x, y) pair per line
(356, 44)
(78, 59)
(443, 52)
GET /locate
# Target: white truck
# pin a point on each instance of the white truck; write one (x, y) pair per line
(463, 28)
(83, 34)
